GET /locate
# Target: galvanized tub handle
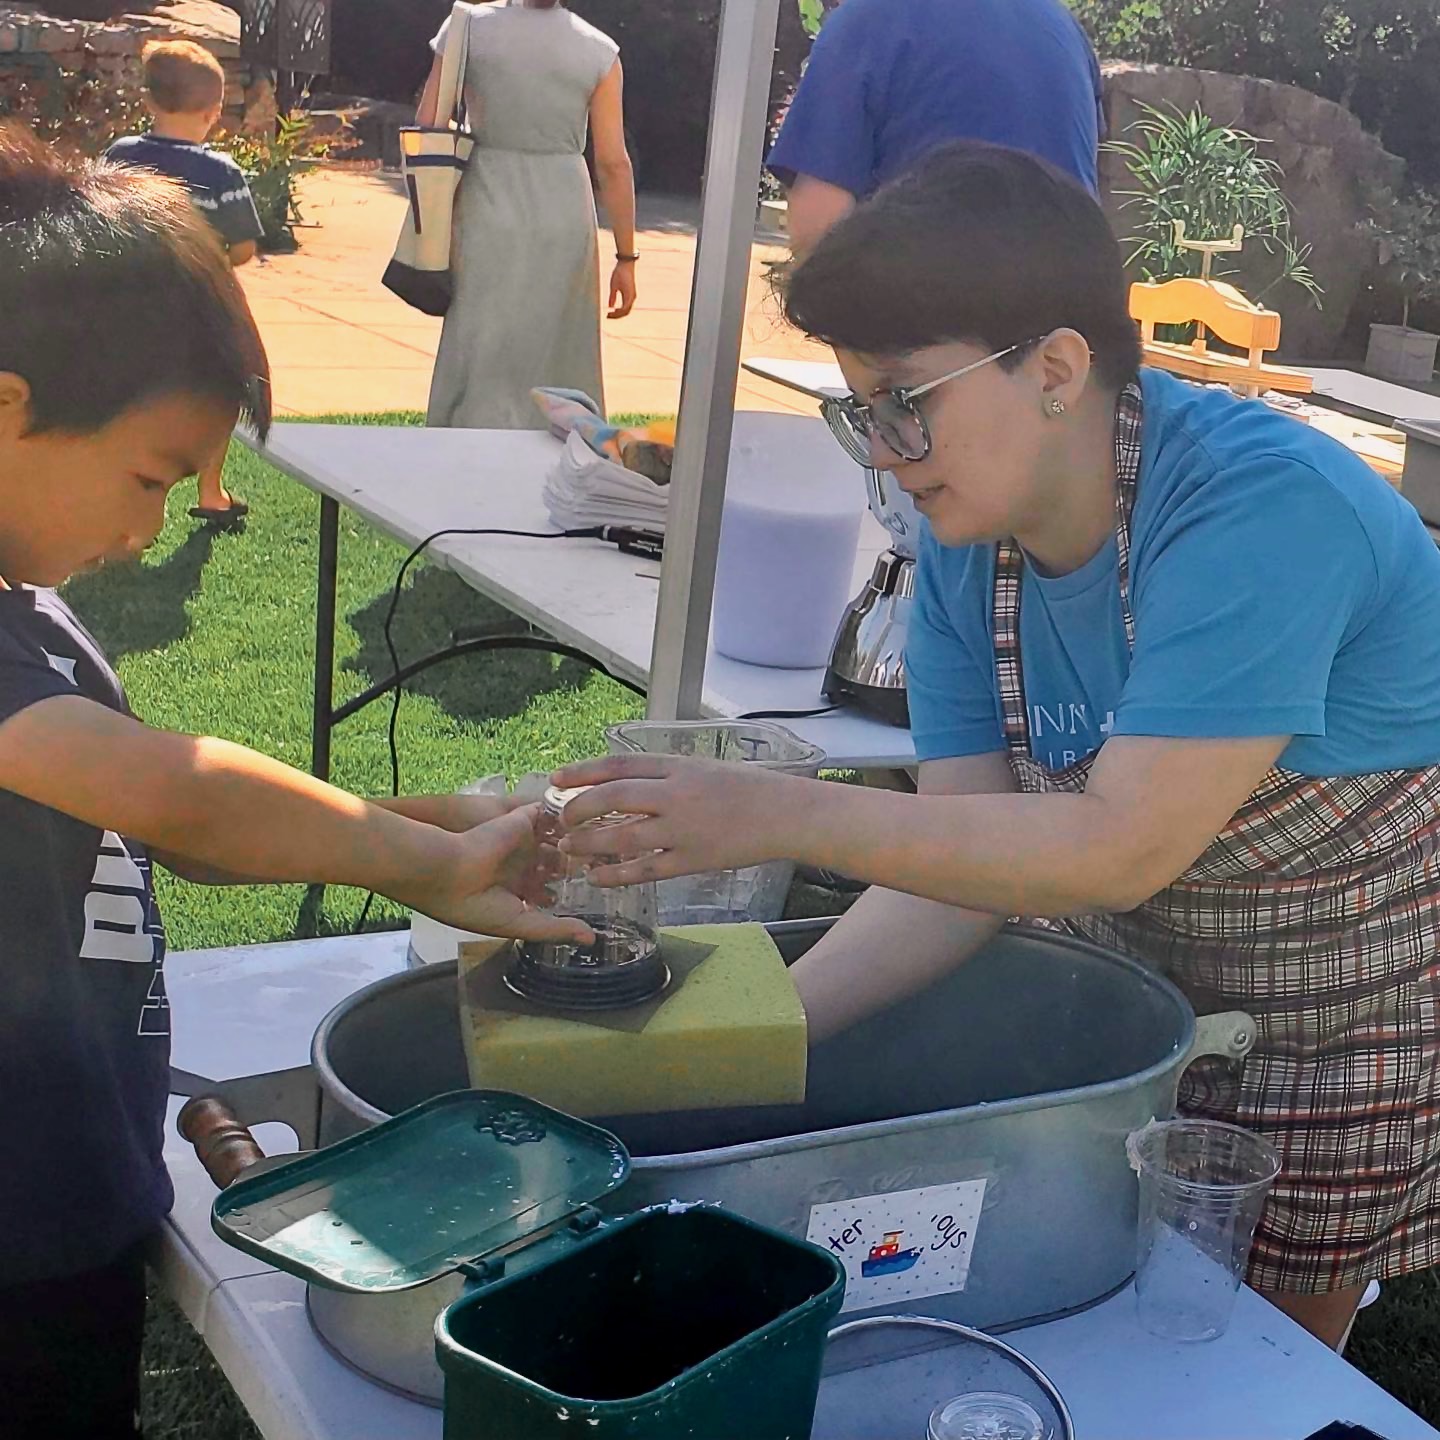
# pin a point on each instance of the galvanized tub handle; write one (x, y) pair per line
(1230, 1034)
(979, 1337)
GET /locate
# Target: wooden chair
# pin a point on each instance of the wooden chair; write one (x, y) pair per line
(1221, 309)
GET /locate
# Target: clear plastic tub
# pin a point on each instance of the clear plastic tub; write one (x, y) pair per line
(723, 897)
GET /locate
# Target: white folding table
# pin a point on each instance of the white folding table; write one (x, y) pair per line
(254, 1008)
(410, 483)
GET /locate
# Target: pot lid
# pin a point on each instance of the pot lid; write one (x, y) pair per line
(444, 1184)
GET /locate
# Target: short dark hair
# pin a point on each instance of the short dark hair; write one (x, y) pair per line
(979, 243)
(114, 291)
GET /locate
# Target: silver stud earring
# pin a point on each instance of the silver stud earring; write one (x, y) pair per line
(1057, 407)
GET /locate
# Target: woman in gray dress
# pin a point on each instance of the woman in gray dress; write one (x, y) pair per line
(526, 307)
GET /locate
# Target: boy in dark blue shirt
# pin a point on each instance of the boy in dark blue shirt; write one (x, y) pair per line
(888, 81)
(126, 355)
(185, 93)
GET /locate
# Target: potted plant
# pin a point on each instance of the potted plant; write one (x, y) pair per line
(1407, 235)
(1186, 167)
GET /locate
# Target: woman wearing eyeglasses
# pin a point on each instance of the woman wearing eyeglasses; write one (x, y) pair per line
(1174, 679)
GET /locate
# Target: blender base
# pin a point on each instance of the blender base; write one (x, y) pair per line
(885, 702)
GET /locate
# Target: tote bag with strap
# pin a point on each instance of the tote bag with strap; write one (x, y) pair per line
(433, 160)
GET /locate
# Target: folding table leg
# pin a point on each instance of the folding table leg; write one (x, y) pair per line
(325, 582)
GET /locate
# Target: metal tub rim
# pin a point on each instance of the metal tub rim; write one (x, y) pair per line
(333, 1086)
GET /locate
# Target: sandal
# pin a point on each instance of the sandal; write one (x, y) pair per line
(223, 519)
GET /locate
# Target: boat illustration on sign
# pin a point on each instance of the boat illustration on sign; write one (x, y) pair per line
(887, 1258)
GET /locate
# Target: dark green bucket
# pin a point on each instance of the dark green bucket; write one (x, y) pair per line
(673, 1322)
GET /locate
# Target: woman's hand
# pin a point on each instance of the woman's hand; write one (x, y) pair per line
(691, 816)
(622, 289)
(491, 867)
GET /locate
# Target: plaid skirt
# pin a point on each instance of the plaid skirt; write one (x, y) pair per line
(1317, 911)
(1329, 935)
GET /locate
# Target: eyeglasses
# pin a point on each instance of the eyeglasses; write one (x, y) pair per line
(893, 416)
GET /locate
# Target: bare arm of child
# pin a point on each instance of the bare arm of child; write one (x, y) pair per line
(231, 810)
(450, 812)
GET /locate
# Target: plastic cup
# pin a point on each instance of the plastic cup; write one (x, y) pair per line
(1202, 1188)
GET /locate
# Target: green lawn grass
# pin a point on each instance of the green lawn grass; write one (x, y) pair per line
(215, 633)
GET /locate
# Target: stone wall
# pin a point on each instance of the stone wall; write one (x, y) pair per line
(111, 49)
(1324, 152)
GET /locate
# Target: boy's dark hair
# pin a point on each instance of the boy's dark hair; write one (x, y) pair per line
(979, 243)
(182, 77)
(114, 291)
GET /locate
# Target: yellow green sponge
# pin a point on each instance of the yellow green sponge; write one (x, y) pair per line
(729, 1032)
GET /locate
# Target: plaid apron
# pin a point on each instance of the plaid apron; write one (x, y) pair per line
(1317, 911)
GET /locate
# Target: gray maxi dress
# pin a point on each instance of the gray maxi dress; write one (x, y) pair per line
(526, 306)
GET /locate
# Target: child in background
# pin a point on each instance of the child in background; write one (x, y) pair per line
(185, 92)
(126, 355)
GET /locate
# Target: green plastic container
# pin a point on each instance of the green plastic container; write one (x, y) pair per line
(676, 1321)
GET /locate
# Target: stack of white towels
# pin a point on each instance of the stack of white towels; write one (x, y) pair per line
(586, 489)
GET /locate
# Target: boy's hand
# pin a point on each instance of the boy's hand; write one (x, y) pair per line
(492, 866)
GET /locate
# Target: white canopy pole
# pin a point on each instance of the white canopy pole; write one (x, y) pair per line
(739, 111)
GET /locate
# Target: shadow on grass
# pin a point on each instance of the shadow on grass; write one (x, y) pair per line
(479, 687)
(131, 609)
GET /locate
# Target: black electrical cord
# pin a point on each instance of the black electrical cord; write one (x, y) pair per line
(626, 539)
(789, 714)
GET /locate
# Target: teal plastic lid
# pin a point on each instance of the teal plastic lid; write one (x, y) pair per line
(442, 1185)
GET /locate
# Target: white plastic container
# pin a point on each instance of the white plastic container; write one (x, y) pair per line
(786, 562)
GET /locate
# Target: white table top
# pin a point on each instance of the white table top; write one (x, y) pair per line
(254, 1008)
(1379, 400)
(410, 483)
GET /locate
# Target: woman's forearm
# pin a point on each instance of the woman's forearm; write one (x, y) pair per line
(1004, 855)
(617, 195)
(429, 97)
(885, 949)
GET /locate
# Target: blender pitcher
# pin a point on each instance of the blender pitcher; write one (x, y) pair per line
(624, 966)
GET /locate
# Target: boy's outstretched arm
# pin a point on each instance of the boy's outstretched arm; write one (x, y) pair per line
(449, 812)
(227, 809)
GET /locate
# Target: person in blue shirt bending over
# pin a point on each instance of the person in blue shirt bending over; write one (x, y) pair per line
(1174, 681)
(889, 80)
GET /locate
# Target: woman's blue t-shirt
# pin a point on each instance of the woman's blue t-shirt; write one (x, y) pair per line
(1278, 586)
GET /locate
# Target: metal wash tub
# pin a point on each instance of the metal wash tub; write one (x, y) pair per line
(964, 1152)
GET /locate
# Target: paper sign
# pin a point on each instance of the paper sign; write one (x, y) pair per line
(903, 1246)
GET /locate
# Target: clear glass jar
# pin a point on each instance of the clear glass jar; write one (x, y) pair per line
(624, 965)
